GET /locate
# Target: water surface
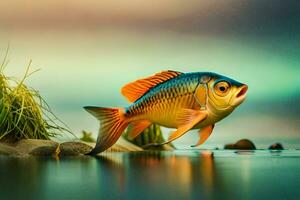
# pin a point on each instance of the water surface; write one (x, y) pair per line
(154, 175)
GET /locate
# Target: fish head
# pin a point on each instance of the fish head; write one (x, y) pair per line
(224, 94)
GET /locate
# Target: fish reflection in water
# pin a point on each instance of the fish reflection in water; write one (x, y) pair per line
(160, 174)
(179, 174)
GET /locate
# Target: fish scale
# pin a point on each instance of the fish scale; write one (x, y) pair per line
(164, 99)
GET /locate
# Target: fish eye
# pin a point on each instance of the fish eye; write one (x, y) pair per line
(222, 88)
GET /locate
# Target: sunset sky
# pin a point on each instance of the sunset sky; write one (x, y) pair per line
(87, 50)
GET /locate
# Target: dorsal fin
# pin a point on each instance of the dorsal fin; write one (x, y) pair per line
(134, 90)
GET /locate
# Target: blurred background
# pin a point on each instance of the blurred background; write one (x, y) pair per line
(87, 50)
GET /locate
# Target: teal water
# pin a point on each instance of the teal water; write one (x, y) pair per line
(154, 175)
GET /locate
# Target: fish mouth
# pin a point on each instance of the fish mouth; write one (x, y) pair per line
(241, 95)
(242, 91)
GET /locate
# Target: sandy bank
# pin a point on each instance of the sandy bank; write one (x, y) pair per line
(51, 148)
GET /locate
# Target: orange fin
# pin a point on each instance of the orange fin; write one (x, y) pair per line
(112, 125)
(189, 118)
(204, 133)
(137, 127)
(134, 90)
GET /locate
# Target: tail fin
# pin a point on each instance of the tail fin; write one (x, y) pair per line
(112, 124)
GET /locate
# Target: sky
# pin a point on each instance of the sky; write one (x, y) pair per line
(88, 50)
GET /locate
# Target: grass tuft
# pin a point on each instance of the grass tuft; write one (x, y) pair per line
(87, 137)
(24, 114)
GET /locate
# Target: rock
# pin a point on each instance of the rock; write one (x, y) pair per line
(28, 146)
(36, 146)
(43, 151)
(74, 148)
(243, 144)
(7, 150)
(276, 146)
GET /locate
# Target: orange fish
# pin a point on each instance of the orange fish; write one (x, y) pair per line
(171, 99)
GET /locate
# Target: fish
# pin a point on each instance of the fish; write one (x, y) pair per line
(184, 101)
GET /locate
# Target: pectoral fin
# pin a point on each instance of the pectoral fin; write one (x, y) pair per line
(137, 127)
(188, 118)
(204, 133)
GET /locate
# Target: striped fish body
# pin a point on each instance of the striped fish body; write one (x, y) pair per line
(162, 102)
(172, 99)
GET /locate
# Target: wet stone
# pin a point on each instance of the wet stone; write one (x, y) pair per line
(276, 146)
(74, 148)
(34, 145)
(243, 144)
(43, 151)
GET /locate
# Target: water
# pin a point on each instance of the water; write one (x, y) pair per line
(154, 175)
